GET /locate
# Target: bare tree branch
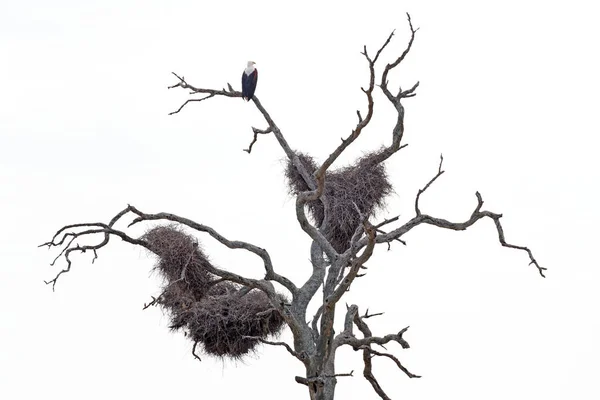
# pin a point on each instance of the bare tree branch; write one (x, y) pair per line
(367, 315)
(320, 379)
(398, 131)
(369, 340)
(389, 67)
(230, 92)
(456, 226)
(346, 337)
(355, 267)
(107, 230)
(196, 356)
(292, 156)
(256, 133)
(439, 173)
(300, 357)
(362, 123)
(393, 358)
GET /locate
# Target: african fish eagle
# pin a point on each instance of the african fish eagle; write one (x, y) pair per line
(249, 79)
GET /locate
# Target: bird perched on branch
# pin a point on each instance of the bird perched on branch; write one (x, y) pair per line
(249, 79)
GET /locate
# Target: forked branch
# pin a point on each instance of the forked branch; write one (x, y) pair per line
(347, 337)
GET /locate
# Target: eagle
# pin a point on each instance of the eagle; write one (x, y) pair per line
(249, 79)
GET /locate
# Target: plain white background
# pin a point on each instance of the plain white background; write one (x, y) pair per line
(508, 94)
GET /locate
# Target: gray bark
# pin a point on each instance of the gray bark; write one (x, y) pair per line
(314, 342)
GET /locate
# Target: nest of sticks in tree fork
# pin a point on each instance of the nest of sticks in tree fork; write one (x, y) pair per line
(217, 314)
(364, 184)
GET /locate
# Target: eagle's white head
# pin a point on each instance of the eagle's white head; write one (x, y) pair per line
(250, 67)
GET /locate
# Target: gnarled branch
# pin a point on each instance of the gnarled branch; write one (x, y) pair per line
(457, 226)
(106, 229)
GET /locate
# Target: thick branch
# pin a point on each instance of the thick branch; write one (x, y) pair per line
(333, 294)
(355, 266)
(314, 233)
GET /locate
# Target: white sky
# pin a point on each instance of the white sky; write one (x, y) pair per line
(508, 94)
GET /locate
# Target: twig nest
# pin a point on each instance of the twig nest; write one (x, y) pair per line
(221, 323)
(217, 314)
(365, 183)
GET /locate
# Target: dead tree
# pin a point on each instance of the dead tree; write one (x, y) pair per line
(227, 314)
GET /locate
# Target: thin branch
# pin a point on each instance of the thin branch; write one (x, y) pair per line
(397, 239)
(351, 373)
(512, 246)
(230, 92)
(190, 101)
(152, 303)
(196, 356)
(387, 221)
(393, 358)
(256, 133)
(439, 173)
(319, 380)
(367, 315)
(300, 357)
(362, 123)
(108, 231)
(383, 47)
(368, 374)
(398, 131)
(456, 226)
(393, 65)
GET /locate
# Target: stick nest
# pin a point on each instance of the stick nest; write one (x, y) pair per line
(365, 183)
(217, 314)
